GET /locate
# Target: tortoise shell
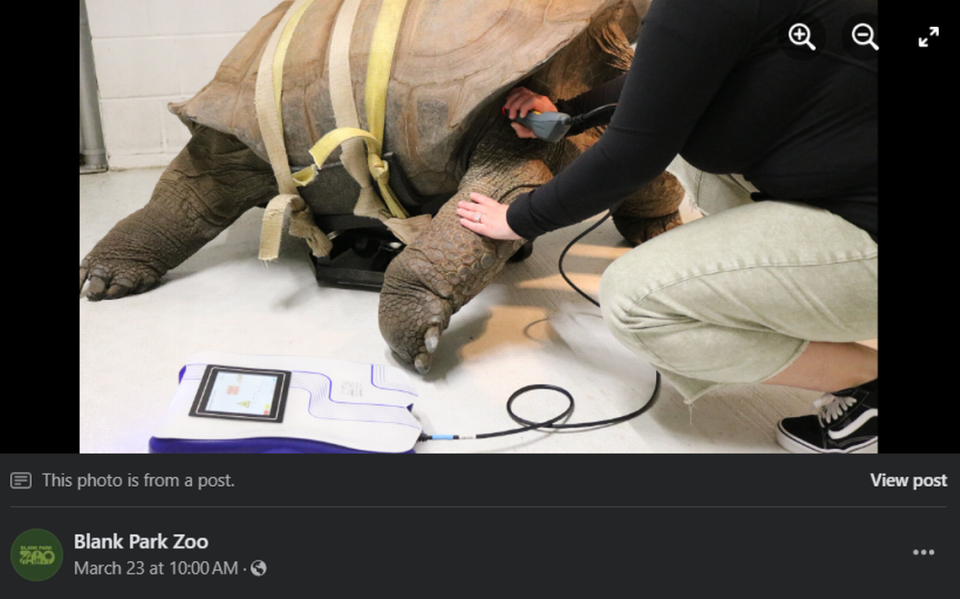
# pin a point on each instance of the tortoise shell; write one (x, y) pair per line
(454, 60)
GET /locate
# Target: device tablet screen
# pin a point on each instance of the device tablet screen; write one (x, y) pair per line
(242, 393)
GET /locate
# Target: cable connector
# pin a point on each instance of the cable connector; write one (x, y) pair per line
(426, 437)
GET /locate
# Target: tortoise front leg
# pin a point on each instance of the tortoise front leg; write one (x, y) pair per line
(448, 265)
(213, 181)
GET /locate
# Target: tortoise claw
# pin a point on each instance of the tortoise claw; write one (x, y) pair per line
(424, 359)
(422, 363)
(95, 289)
(114, 279)
(432, 339)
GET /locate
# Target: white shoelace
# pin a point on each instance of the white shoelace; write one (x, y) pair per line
(833, 406)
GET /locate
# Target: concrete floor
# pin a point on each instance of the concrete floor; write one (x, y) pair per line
(527, 327)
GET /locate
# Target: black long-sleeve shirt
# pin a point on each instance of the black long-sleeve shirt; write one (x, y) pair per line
(720, 83)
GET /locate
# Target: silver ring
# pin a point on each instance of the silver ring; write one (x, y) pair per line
(479, 216)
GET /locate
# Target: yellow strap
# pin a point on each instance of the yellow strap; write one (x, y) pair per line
(379, 169)
(267, 96)
(339, 73)
(269, 79)
(380, 62)
(382, 48)
(281, 54)
(329, 142)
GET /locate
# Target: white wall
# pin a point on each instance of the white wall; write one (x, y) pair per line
(152, 52)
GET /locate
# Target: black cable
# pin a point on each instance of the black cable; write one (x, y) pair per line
(593, 424)
(551, 423)
(597, 117)
(567, 249)
(572, 243)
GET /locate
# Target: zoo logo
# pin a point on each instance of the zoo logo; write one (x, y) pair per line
(36, 554)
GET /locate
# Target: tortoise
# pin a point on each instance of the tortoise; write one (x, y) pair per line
(455, 61)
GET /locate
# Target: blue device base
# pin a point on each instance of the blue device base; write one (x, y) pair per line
(255, 445)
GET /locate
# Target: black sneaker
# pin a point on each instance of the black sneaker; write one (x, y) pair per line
(846, 423)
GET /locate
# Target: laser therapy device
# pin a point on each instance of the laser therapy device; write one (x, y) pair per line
(231, 403)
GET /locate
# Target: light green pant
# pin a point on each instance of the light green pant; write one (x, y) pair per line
(736, 296)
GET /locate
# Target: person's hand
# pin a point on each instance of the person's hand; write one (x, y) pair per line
(520, 101)
(486, 216)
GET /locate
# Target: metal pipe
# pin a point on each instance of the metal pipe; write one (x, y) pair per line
(91, 129)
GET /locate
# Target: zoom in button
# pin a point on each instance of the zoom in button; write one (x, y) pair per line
(803, 37)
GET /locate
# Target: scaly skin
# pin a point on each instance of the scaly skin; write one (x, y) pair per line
(448, 265)
(652, 210)
(206, 188)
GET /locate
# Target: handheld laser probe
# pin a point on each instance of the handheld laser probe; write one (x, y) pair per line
(554, 126)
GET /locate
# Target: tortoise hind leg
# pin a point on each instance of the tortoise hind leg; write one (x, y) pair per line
(652, 210)
(205, 188)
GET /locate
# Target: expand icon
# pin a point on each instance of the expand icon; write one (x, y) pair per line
(924, 42)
